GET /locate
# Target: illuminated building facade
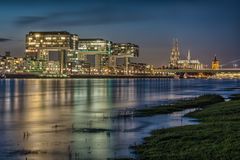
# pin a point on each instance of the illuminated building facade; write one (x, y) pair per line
(140, 68)
(175, 55)
(177, 63)
(9, 64)
(40, 46)
(100, 48)
(189, 63)
(123, 50)
(215, 63)
(39, 43)
(94, 46)
(52, 52)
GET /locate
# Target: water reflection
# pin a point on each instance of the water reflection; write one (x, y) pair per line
(36, 106)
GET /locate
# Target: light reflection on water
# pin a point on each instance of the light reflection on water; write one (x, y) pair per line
(37, 105)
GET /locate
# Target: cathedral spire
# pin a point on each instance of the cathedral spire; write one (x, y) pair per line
(175, 54)
(215, 57)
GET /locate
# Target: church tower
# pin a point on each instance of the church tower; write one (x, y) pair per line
(175, 55)
(189, 56)
(215, 63)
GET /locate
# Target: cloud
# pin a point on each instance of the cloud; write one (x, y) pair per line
(137, 12)
(4, 40)
(28, 20)
(98, 15)
(104, 12)
(108, 1)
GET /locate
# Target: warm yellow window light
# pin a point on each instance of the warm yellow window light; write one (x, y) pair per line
(37, 35)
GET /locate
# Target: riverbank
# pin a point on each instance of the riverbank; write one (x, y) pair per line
(82, 76)
(40, 76)
(198, 102)
(216, 137)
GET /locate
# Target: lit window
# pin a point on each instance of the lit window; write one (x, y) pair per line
(48, 38)
(37, 35)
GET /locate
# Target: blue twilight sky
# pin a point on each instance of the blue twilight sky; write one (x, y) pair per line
(206, 27)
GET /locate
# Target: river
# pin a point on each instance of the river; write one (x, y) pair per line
(49, 118)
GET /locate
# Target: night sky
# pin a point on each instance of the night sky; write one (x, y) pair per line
(206, 27)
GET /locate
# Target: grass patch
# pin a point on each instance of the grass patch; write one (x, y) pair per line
(235, 97)
(216, 138)
(180, 105)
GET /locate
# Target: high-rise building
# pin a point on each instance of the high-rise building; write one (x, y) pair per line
(41, 45)
(66, 51)
(123, 50)
(100, 48)
(38, 44)
(175, 55)
(94, 46)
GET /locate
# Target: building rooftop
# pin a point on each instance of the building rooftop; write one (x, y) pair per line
(49, 32)
(125, 44)
(92, 39)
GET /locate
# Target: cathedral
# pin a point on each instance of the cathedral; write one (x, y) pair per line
(177, 63)
(175, 55)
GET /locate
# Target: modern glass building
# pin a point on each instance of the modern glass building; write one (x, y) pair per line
(66, 50)
(125, 50)
(94, 46)
(100, 48)
(58, 46)
(39, 44)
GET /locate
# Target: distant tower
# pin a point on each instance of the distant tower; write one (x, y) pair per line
(189, 56)
(215, 63)
(175, 55)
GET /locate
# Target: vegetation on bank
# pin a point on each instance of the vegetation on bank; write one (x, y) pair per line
(235, 97)
(198, 102)
(217, 137)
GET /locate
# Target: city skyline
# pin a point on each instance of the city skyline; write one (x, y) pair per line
(119, 79)
(207, 28)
